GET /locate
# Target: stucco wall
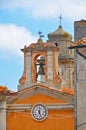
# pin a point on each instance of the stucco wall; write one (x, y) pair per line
(62, 119)
(81, 92)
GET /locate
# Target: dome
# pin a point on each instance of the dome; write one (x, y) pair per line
(59, 34)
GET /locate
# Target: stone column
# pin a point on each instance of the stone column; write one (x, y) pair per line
(49, 65)
(2, 115)
(56, 61)
(28, 68)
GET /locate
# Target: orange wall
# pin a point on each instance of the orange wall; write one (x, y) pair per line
(39, 98)
(56, 119)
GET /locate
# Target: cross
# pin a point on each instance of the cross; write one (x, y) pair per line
(40, 34)
(60, 18)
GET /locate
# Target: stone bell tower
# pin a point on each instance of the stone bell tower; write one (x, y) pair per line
(63, 40)
(40, 58)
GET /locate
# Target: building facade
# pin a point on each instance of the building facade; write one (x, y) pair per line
(80, 83)
(79, 47)
(79, 29)
(45, 98)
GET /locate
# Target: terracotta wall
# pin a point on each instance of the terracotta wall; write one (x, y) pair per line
(56, 119)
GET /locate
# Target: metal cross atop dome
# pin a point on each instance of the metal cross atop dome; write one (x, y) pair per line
(60, 18)
(40, 34)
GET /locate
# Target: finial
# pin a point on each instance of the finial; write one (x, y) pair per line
(60, 18)
(40, 34)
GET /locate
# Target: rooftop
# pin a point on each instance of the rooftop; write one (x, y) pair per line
(81, 21)
(4, 91)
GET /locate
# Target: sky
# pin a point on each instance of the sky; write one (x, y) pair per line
(20, 22)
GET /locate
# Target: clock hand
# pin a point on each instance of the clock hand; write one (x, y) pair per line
(39, 112)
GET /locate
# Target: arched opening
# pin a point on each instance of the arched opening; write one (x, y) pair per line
(40, 69)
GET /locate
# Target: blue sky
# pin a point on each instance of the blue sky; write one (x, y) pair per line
(20, 21)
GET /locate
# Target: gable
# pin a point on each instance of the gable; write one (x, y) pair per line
(58, 106)
(40, 93)
(39, 98)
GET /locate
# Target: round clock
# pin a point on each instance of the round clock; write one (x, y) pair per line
(39, 112)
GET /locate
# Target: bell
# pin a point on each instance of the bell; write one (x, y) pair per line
(41, 70)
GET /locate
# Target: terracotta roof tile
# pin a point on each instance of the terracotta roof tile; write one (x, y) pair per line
(80, 42)
(67, 90)
(4, 90)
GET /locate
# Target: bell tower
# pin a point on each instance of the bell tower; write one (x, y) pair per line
(65, 58)
(40, 65)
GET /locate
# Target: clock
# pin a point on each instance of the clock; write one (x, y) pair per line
(39, 112)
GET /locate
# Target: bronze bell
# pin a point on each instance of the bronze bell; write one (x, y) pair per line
(41, 70)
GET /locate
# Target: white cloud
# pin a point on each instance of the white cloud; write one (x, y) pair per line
(13, 38)
(71, 9)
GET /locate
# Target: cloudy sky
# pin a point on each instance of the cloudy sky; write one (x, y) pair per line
(20, 22)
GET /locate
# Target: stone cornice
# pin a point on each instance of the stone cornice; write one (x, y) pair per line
(53, 106)
(39, 49)
(40, 89)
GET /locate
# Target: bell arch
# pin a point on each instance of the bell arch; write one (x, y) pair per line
(38, 62)
(48, 71)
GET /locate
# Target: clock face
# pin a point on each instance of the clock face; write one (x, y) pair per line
(39, 112)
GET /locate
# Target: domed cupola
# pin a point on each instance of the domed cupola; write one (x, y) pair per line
(59, 34)
(63, 40)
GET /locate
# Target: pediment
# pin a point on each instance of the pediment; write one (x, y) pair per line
(42, 94)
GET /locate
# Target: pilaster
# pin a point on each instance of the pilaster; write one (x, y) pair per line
(2, 115)
(28, 68)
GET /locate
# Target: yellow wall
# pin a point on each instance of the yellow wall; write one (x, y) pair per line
(56, 119)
